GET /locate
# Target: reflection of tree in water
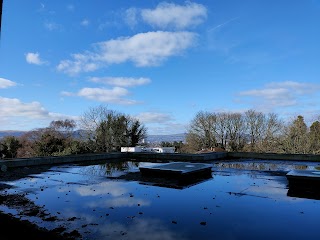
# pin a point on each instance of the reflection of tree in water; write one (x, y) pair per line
(112, 167)
(109, 168)
(301, 167)
(262, 166)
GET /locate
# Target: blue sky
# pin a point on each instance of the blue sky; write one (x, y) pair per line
(159, 61)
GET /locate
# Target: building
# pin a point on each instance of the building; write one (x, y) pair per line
(149, 149)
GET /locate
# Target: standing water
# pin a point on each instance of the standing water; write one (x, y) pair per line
(242, 200)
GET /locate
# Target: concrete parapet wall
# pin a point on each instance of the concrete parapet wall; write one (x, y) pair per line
(142, 156)
(176, 156)
(25, 162)
(274, 156)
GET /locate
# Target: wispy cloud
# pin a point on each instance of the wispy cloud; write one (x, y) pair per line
(51, 26)
(143, 49)
(221, 25)
(121, 81)
(5, 83)
(115, 95)
(85, 22)
(170, 15)
(154, 117)
(34, 58)
(280, 94)
(131, 17)
(70, 7)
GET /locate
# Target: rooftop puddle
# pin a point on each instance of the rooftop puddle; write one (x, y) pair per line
(111, 201)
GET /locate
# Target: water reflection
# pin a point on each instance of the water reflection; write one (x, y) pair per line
(108, 201)
(265, 166)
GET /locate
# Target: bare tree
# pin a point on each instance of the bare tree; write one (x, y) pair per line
(274, 129)
(235, 127)
(255, 122)
(221, 129)
(203, 128)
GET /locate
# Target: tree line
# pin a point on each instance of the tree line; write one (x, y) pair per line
(252, 131)
(104, 130)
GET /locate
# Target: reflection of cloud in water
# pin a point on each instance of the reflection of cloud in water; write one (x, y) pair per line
(120, 202)
(140, 229)
(114, 188)
(270, 192)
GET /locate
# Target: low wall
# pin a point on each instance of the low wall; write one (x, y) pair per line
(25, 162)
(179, 157)
(274, 156)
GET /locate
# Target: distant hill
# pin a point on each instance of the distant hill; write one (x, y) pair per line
(11, 133)
(150, 138)
(166, 138)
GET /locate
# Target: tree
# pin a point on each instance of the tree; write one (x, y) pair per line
(136, 132)
(235, 127)
(221, 129)
(49, 144)
(203, 129)
(296, 137)
(107, 130)
(255, 122)
(314, 137)
(274, 131)
(9, 146)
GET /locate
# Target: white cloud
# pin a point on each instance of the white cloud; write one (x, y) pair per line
(170, 15)
(121, 81)
(18, 115)
(143, 49)
(70, 7)
(51, 26)
(166, 128)
(5, 83)
(154, 117)
(85, 22)
(12, 107)
(115, 95)
(131, 17)
(81, 63)
(34, 58)
(281, 94)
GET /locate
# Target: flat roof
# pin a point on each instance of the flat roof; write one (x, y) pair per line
(177, 168)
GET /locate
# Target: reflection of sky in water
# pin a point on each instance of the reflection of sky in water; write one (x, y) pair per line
(267, 165)
(231, 205)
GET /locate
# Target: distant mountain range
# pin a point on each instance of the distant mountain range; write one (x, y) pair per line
(11, 133)
(166, 138)
(150, 138)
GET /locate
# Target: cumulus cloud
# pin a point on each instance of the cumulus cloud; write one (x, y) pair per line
(143, 49)
(5, 83)
(15, 114)
(170, 15)
(115, 95)
(34, 58)
(280, 94)
(14, 107)
(81, 63)
(121, 81)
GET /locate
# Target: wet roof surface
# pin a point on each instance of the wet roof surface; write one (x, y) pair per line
(242, 200)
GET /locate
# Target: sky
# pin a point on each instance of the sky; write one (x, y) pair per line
(161, 62)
